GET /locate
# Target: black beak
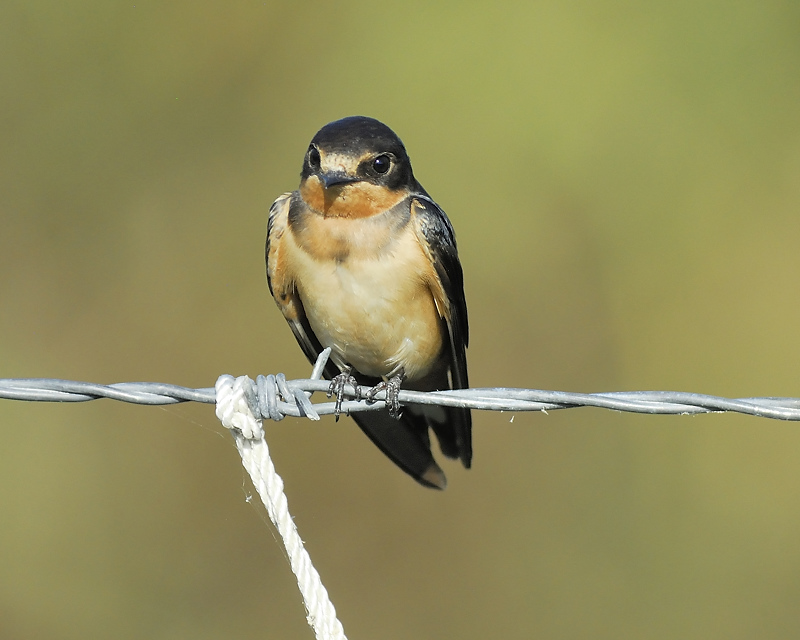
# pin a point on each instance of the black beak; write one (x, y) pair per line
(331, 179)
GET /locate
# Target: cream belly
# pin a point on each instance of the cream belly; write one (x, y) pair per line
(377, 314)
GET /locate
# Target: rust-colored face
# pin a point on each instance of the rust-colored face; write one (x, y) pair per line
(360, 199)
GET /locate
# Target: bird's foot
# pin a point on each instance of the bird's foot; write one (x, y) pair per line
(338, 383)
(392, 389)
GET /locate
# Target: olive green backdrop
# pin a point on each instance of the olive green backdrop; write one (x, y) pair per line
(624, 180)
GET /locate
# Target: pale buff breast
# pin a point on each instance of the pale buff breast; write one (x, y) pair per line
(371, 303)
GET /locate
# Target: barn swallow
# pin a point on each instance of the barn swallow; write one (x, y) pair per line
(362, 260)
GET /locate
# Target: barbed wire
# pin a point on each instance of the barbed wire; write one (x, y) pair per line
(274, 397)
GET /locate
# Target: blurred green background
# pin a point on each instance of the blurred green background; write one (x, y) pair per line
(624, 180)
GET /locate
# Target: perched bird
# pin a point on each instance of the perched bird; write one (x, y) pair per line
(362, 260)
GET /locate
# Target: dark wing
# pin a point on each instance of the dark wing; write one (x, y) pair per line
(281, 285)
(404, 441)
(437, 238)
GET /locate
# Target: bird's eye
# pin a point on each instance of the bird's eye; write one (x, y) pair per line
(381, 164)
(313, 157)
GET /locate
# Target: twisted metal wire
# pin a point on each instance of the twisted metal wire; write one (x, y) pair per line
(274, 397)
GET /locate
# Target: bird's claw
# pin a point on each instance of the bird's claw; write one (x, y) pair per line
(392, 389)
(338, 383)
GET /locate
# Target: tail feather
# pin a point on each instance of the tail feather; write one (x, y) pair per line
(405, 442)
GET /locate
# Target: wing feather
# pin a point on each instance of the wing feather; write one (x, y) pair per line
(437, 238)
(282, 286)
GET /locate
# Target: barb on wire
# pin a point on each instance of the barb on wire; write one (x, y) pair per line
(274, 397)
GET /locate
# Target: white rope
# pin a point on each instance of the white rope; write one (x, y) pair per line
(234, 410)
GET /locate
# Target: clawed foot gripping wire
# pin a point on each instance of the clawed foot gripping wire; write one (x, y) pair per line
(243, 403)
